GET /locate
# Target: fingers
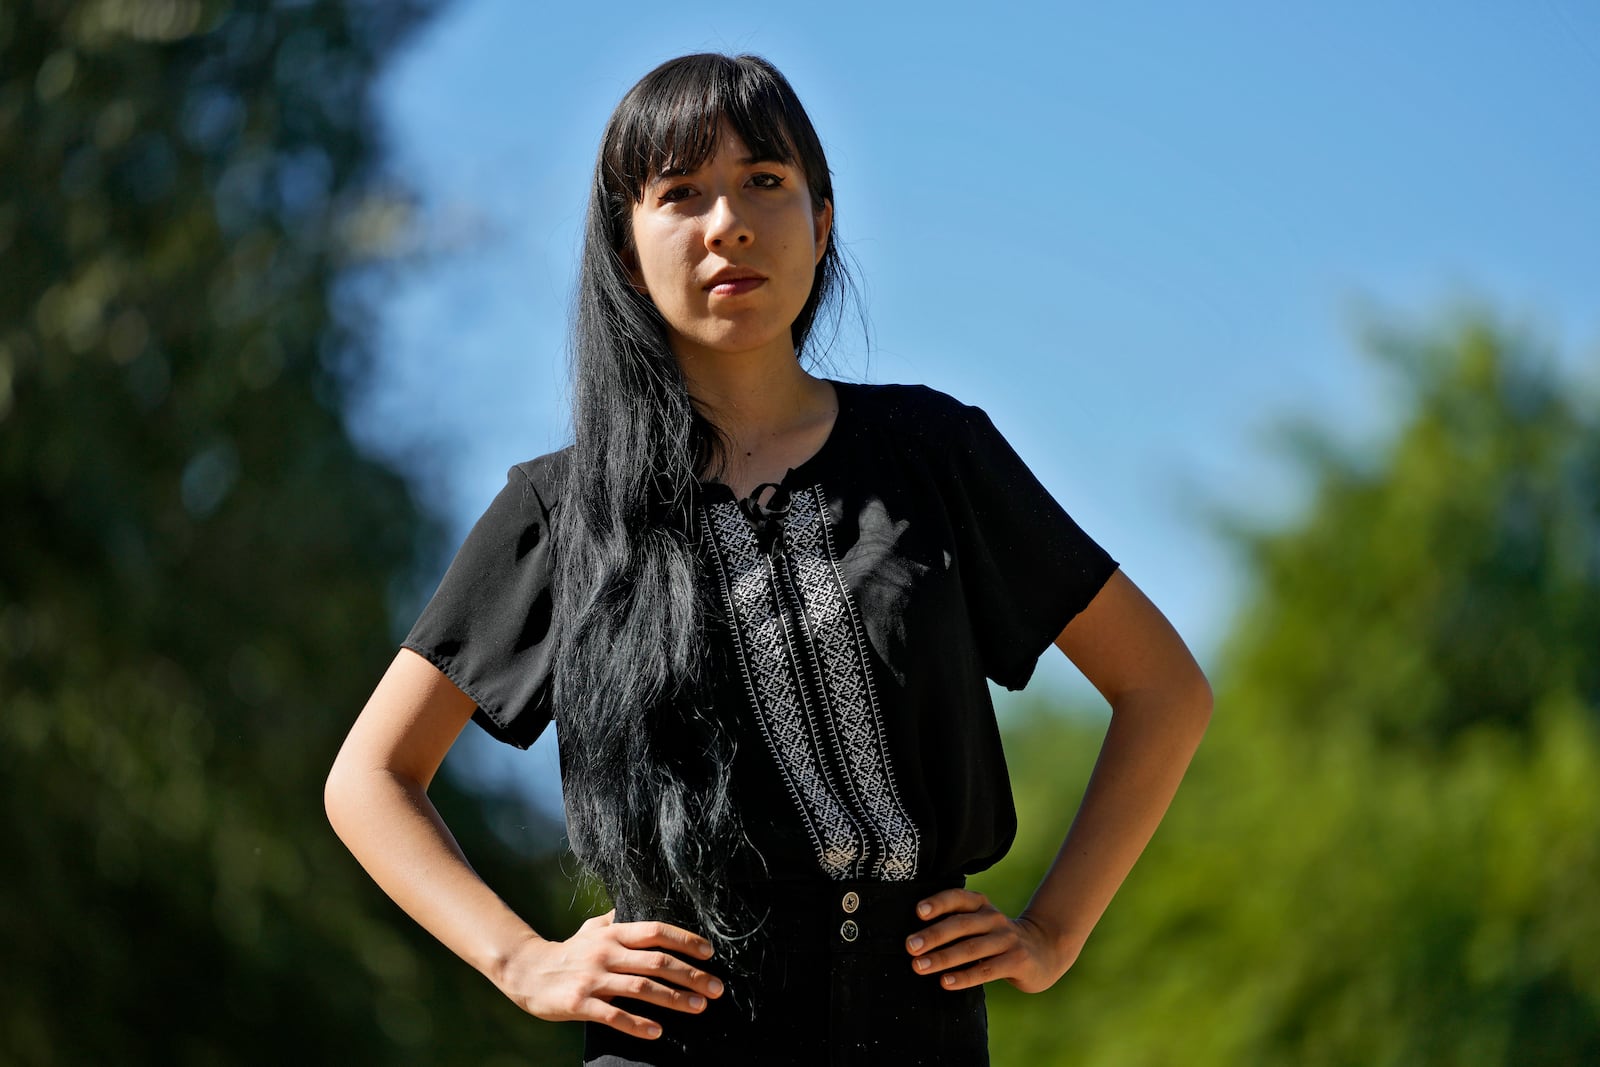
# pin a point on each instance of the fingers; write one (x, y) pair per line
(668, 971)
(968, 950)
(951, 900)
(662, 935)
(969, 915)
(1009, 966)
(607, 962)
(630, 1024)
(973, 932)
(650, 977)
(965, 924)
(650, 991)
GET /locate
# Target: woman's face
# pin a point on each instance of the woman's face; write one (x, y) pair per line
(727, 252)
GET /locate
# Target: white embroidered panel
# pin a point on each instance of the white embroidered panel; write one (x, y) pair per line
(853, 710)
(795, 620)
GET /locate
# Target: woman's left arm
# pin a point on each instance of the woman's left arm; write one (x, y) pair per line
(1160, 706)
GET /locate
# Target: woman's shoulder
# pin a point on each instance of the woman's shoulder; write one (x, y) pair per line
(543, 474)
(918, 407)
(919, 417)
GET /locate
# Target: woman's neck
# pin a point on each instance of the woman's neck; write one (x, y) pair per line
(752, 399)
(771, 413)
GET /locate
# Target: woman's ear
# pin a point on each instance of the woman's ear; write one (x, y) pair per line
(824, 225)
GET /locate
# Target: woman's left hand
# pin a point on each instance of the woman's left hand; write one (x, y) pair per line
(978, 934)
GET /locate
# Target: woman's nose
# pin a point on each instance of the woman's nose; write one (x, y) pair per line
(726, 226)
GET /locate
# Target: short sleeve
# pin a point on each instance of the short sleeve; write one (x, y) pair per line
(487, 626)
(1027, 567)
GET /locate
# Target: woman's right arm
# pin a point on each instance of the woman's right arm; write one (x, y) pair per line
(377, 801)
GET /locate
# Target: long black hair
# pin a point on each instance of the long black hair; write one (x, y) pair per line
(645, 757)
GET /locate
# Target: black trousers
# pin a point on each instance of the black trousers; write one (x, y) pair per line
(830, 983)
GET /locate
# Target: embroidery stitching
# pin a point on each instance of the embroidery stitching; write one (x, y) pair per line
(775, 691)
(848, 722)
(852, 703)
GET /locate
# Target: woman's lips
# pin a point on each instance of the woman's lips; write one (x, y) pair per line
(735, 286)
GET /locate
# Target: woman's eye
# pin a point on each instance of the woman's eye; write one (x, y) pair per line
(676, 193)
(768, 181)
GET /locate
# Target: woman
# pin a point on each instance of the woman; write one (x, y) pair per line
(763, 608)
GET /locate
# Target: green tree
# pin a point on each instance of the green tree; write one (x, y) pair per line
(198, 568)
(1387, 849)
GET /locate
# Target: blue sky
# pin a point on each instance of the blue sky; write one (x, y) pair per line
(1137, 235)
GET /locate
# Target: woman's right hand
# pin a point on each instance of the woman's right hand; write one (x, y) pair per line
(377, 800)
(579, 977)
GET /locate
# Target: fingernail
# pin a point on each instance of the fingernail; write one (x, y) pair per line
(653, 1030)
(924, 908)
(949, 979)
(716, 987)
(916, 943)
(696, 1001)
(922, 964)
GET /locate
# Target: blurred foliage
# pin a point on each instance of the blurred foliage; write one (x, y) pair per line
(1388, 848)
(1386, 851)
(197, 566)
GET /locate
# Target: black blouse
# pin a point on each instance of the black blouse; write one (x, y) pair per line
(866, 603)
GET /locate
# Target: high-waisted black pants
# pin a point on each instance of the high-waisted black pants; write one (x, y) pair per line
(832, 985)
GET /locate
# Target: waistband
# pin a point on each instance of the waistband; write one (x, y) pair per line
(839, 917)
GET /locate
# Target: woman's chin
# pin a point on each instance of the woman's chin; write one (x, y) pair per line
(735, 344)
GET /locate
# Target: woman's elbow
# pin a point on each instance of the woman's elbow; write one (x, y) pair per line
(1193, 697)
(335, 794)
(1203, 696)
(1181, 698)
(342, 794)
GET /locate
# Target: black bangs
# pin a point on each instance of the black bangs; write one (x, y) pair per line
(672, 117)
